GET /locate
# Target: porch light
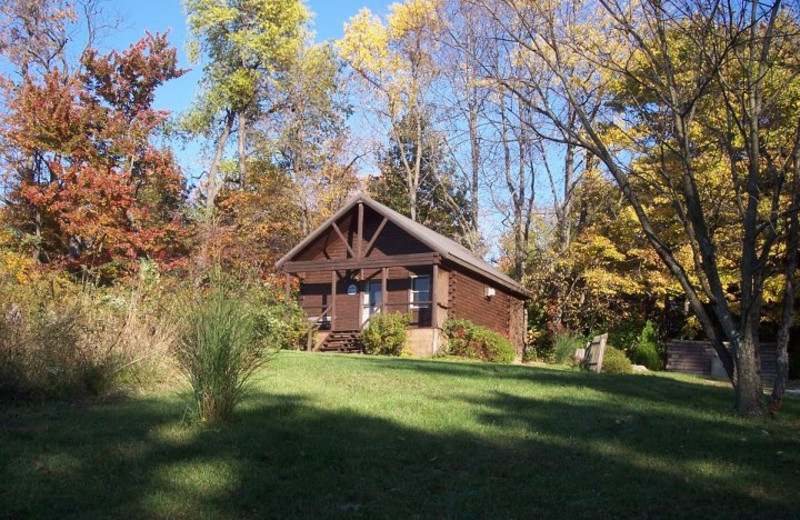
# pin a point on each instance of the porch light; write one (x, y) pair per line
(490, 292)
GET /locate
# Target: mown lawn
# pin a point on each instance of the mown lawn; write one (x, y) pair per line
(356, 437)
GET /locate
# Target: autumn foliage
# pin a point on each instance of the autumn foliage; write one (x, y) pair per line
(88, 185)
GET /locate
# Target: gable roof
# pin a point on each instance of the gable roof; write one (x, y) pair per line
(447, 248)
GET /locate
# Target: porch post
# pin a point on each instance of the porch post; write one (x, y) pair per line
(434, 302)
(333, 298)
(384, 272)
(360, 228)
(287, 284)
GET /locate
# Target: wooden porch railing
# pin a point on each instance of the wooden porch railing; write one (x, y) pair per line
(314, 322)
(421, 315)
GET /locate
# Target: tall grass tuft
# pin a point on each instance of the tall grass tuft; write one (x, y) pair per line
(72, 342)
(218, 350)
(564, 346)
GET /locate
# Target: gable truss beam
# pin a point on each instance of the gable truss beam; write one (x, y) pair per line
(360, 228)
(411, 260)
(375, 235)
(344, 240)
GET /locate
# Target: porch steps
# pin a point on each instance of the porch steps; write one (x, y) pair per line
(346, 341)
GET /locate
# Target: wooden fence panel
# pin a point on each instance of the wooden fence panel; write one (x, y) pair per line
(695, 357)
(595, 352)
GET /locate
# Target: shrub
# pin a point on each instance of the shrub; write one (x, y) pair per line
(625, 334)
(386, 334)
(645, 354)
(280, 325)
(466, 339)
(615, 362)
(219, 350)
(538, 346)
(646, 351)
(538, 340)
(564, 345)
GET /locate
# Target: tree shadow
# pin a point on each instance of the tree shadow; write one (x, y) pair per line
(647, 386)
(290, 456)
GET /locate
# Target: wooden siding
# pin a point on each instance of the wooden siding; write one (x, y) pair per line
(391, 241)
(468, 301)
(315, 293)
(695, 357)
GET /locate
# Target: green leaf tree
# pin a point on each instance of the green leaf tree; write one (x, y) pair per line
(246, 47)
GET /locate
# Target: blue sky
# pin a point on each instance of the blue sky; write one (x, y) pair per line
(139, 16)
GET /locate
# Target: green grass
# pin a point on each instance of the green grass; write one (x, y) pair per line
(358, 437)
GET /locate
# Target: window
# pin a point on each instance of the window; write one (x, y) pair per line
(420, 292)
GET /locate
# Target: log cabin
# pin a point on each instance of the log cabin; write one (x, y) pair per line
(368, 259)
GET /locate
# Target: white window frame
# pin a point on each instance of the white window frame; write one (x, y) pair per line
(411, 292)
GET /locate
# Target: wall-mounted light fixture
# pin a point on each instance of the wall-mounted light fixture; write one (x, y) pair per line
(490, 292)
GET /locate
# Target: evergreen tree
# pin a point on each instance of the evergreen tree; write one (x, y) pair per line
(442, 205)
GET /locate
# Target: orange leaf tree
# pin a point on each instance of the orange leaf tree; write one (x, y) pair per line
(86, 182)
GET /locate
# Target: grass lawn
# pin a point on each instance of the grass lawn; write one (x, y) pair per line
(357, 437)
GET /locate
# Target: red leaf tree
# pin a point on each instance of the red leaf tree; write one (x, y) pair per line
(86, 182)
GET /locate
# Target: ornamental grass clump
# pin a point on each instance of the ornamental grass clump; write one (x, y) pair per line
(219, 352)
(564, 346)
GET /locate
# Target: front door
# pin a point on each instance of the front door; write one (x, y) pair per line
(372, 300)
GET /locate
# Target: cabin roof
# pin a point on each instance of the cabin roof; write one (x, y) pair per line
(447, 248)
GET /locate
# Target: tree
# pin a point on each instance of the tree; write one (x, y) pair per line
(34, 35)
(675, 59)
(309, 140)
(248, 45)
(608, 279)
(435, 187)
(463, 101)
(36, 38)
(85, 180)
(394, 65)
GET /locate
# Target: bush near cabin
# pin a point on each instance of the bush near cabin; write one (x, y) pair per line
(386, 334)
(466, 339)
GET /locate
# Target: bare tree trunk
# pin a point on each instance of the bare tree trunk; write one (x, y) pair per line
(475, 159)
(214, 186)
(412, 172)
(565, 214)
(789, 294)
(215, 183)
(413, 187)
(518, 198)
(242, 131)
(505, 142)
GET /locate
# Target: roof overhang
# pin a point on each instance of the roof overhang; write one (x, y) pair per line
(453, 255)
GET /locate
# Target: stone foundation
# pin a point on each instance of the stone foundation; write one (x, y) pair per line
(423, 342)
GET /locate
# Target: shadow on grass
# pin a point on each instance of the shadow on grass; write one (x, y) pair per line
(289, 456)
(647, 386)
